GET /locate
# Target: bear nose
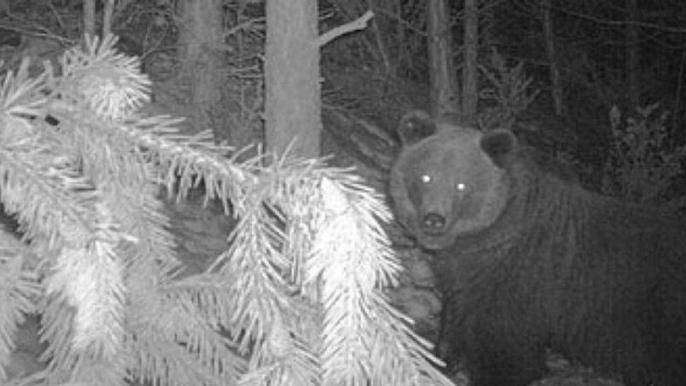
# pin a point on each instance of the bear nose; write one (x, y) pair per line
(434, 221)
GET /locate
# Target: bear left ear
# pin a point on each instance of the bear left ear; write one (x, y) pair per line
(499, 145)
(415, 126)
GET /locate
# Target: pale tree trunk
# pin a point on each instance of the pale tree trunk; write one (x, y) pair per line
(107, 14)
(557, 90)
(442, 70)
(89, 17)
(201, 37)
(292, 104)
(632, 52)
(470, 74)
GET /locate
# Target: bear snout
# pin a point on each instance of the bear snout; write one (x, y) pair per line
(433, 223)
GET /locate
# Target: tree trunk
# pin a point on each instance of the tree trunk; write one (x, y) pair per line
(442, 71)
(383, 29)
(293, 104)
(200, 36)
(470, 75)
(89, 18)
(632, 52)
(107, 14)
(557, 90)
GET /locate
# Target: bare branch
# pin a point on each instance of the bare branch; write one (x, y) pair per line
(354, 25)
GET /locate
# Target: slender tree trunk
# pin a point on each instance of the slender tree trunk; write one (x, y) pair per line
(555, 78)
(383, 29)
(89, 17)
(107, 14)
(470, 75)
(292, 105)
(679, 85)
(633, 54)
(487, 24)
(201, 35)
(442, 70)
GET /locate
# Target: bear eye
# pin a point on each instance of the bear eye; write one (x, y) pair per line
(425, 178)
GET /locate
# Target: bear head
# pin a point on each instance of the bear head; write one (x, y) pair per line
(448, 180)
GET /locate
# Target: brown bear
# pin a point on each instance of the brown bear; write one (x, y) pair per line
(528, 260)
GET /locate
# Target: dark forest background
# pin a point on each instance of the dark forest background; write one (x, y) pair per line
(598, 86)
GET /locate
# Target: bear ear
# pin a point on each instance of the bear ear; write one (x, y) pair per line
(415, 126)
(499, 145)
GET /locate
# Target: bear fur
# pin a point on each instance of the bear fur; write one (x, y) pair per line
(528, 260)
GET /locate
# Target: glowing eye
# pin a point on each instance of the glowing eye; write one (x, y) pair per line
(461, 187)
(426, 178)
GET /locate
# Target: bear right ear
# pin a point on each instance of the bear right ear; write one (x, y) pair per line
(499, 145)
(415, 126)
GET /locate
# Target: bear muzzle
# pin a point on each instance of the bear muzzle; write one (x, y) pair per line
(433, 223)
(433, 231)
